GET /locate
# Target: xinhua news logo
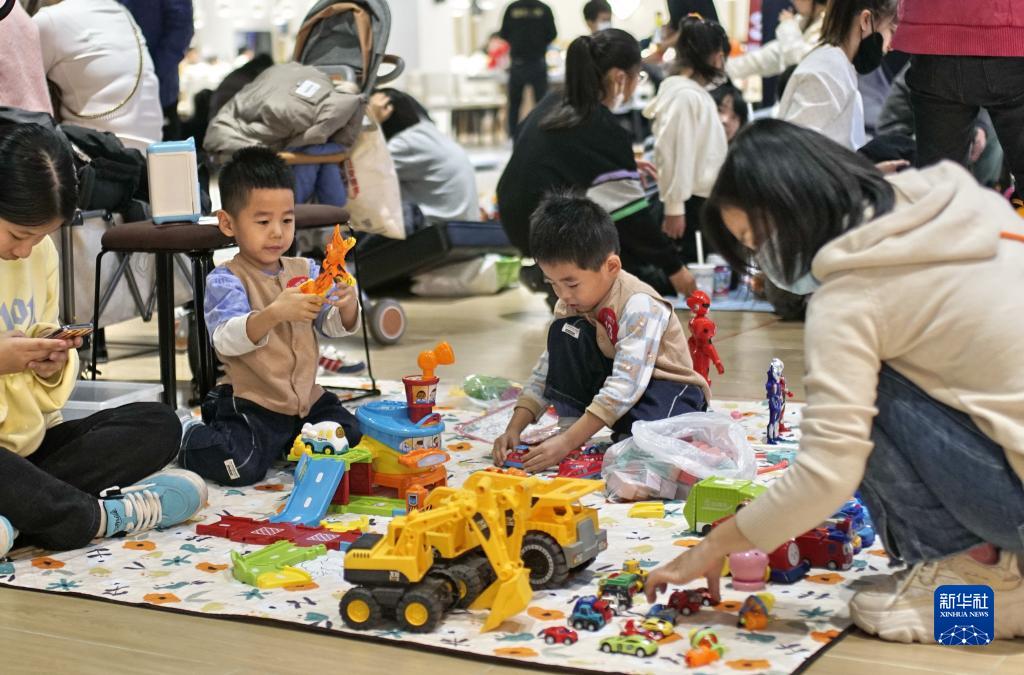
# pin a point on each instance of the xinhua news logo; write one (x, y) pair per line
(964, 615)
(6, 7)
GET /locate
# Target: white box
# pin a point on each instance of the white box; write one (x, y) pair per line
(173, 181)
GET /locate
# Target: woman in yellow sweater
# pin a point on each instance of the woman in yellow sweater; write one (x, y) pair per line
(58, 481)
(915, 372)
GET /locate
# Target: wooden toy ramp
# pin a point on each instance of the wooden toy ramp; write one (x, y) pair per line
(180, 571)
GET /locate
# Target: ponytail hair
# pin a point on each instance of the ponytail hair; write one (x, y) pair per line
(841, 15)
(700, 39)
(587, 61)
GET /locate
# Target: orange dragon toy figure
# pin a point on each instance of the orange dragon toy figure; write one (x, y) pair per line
(332, 271)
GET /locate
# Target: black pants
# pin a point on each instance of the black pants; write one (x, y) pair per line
(239, 440)
(51, 495)
(577, 371)
(947, 93)
(521, 73)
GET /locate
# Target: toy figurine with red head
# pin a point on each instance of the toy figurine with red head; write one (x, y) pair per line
(702, 330)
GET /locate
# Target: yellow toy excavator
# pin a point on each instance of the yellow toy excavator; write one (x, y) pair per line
(462, 552)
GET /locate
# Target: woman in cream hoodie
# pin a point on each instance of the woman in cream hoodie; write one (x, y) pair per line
(915, 374)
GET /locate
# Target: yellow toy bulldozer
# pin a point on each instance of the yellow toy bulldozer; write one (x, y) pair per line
(562, 536)
(463, 551)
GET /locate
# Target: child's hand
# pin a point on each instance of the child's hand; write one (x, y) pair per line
(18, 352)
(699, 561)
(50, 366)
(504, 444)
(346, 299)
(294, 305)
(547, 454)
(674, 226)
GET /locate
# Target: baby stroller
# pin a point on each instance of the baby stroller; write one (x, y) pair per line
(346, 41)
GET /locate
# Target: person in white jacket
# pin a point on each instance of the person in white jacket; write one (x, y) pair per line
(689, 140)
(97, 56)
(915, 376)
(822, 94)
(796, 35)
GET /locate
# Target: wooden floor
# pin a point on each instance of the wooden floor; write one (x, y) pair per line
(496, 335)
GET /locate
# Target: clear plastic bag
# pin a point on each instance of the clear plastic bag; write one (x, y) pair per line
(664, 458)
(486, 390)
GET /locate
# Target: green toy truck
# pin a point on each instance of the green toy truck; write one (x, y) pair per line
(715, 498)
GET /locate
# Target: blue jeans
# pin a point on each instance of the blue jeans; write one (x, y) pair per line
(935, 485)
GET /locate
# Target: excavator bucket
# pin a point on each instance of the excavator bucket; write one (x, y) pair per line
(505, 599)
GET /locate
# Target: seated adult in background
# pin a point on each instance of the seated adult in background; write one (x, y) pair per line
(96, 57)
(22, 78)
(573, 141)
(796, 35)
(822, 93)
(434, 172)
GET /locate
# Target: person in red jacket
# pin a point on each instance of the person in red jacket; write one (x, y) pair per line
(965, 56)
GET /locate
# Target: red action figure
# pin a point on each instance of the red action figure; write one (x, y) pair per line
(702, 329)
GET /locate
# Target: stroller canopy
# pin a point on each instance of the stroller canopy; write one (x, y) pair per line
(347, 40)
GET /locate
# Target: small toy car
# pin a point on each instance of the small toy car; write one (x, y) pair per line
(661, 627)
(632, 628)
(581, 467)
(637, 645)
(565, 636)
(689, 601)
(514, 459)
(590, 613)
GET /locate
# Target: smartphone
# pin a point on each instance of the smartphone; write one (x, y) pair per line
(69, 331)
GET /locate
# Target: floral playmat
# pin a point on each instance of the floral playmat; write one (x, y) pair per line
(178, 569)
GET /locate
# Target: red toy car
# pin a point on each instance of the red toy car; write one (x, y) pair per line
(566, 636)
(586, 466)
(689, 601)
(631, 628)
(820, 548)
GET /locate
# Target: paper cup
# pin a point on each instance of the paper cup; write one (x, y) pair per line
(705, 276)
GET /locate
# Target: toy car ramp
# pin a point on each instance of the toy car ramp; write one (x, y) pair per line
(316, 480)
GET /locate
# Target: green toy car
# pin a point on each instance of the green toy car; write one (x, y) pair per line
(715, 498)
(638, 645)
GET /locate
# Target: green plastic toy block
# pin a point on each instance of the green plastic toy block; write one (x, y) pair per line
(370, 506)
(273, 558)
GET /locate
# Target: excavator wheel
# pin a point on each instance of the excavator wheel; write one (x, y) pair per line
(469, 584)
(422, 606)
(359, 609)
(483, 569)
(546, 561)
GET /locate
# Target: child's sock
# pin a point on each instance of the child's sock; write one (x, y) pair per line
(102, 532)
(986, 554)
(187, 425)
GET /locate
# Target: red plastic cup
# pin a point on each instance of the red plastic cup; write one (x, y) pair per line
(420, 395)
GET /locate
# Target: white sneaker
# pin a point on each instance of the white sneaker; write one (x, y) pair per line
(902, 607)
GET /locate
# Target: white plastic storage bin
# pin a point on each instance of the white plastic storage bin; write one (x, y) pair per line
(90, 396)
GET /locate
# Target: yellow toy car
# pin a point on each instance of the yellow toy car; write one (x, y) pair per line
(659, 626)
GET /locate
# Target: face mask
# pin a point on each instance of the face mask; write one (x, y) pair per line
(869, 54)
(604, 25)
(804, 285)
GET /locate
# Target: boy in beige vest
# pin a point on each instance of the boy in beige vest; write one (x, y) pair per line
(264, 332)
(616, 351)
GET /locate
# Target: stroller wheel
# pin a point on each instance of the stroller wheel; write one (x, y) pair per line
(387, 321)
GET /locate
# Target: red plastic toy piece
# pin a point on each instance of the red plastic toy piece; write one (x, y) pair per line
(264, 532)
(702, 330)
(560, 634)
